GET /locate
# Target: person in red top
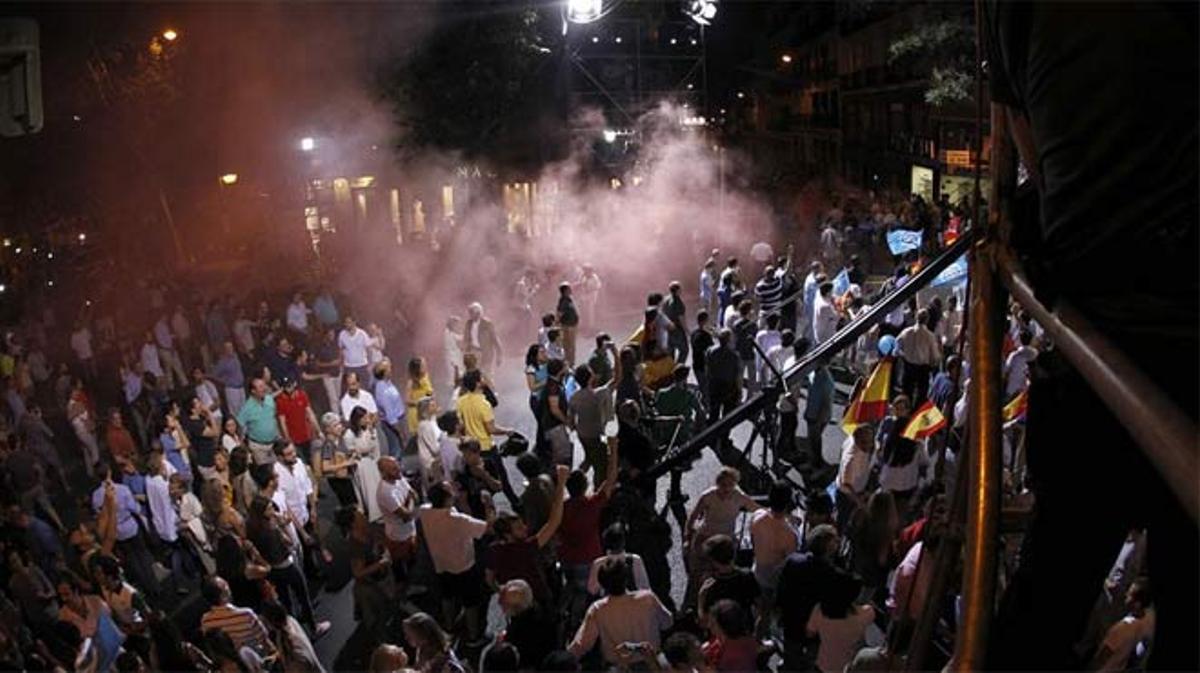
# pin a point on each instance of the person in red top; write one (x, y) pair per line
(117, 437)
(732, 646)
(297, 422)
(579, 535)
(515, 555)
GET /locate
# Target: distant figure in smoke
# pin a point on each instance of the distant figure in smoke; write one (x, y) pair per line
(480, 338)
(527, 289)
(452, 339)
(729, 285)
(589, 286)
(568, 321)
(708, 286)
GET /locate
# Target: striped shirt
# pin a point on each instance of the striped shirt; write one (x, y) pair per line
(241, 624)
(769, 292)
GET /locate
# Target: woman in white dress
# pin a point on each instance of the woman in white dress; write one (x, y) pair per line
(362, 440)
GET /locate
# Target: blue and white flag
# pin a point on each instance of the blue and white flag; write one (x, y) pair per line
(901, 241)
(954, 274)
(841, 283)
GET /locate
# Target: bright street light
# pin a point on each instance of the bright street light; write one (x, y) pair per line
(82, 237)
(308, 144)
(701, 11)
(584, 11)
(610, 136)
(786, 58)
(229, 178)
(170, 35)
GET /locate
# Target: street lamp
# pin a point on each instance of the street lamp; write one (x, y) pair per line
(786, 58)
(229, 179)
(701, 11)
(170, 35)
(610, 136)
(584, 11)
(308, 144)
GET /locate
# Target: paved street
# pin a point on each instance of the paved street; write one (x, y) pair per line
(514, 413)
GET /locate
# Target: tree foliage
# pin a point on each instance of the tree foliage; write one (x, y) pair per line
(465, 88)
(941, 50)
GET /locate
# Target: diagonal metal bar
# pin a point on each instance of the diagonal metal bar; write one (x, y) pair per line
(819, 355)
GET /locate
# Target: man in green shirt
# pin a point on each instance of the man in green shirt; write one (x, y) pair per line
(257, 418)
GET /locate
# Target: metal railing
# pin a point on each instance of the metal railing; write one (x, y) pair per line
(820, 354)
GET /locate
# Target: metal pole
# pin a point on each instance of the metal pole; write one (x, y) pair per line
(984, 449)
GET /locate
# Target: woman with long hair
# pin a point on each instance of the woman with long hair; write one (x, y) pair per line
(873, 532)
(535, 373)
(629, 386)
(362, 441)
(431, 645)
(419, 387)
(231, 434)
(840, 624)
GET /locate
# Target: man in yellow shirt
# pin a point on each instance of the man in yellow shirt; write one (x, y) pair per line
(479, 422)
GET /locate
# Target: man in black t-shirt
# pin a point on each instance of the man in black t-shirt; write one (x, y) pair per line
(202, 431)
(1103, 103)
(702, 340)
(554, 421)
(727, 581)
(568, 320)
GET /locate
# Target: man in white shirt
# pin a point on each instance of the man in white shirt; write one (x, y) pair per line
(148, 357)
(620, 617)
(294, 483)
(398, 502)
(854, 470)
(1016, 367)
(81, 343)
(356, 397)
(825, 316)
(353, 341)
(920, 354)
(297, 315)
(450, 537)
(1132, 634)
(768, 339)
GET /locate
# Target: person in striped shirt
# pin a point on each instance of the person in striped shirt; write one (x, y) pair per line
(769, 293)
(241, 624)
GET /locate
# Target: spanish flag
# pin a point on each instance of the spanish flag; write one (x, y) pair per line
(871, 401)
(927, 420)
(1015, 410)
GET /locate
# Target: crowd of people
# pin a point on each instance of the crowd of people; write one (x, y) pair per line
(227, 443)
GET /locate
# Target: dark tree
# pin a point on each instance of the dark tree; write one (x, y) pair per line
(477, 84)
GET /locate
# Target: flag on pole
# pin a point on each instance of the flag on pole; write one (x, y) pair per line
(870, 404)
(925, 421)
(901, 241)
(1015, 410)
(841, 283)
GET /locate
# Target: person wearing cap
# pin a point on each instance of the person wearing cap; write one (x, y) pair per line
(297, 421)
(568, 320)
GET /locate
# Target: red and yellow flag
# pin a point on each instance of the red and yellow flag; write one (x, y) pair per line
(925, 421)
(1015, 410)
(871, 402)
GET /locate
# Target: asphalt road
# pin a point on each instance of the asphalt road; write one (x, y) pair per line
(513, 412)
